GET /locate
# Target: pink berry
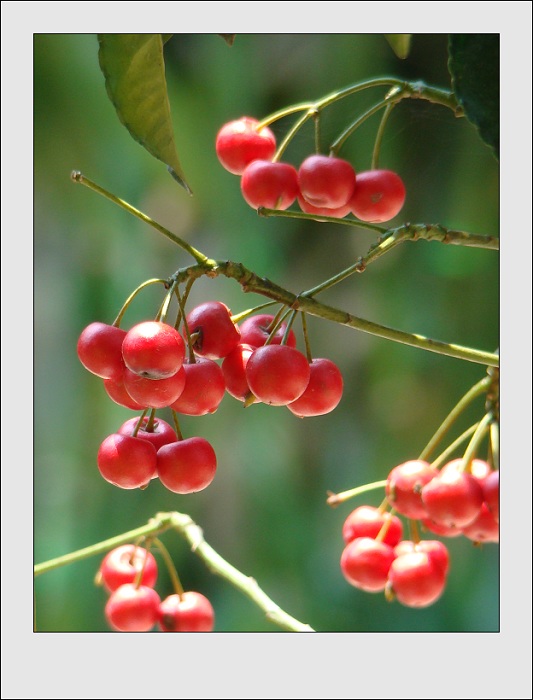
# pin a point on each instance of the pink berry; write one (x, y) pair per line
(216, 333)
(99, 349)
(204, 388)
(255, 330)
(127, 462)
(186, 466)
(153, 350)
(154, 393)
(133, 609)
(416, 580)
(326, 181)
(484, 528)
(378, 195)
(158, 432)
(234, 370)
(118, 393)
(271, 185)
(189, 612)
(404, 485)
(240, 142)
(323, 392)
(368, 521)
(365, 563)
(277, 374)
(338, 213)
(454, 497)
(123, 565)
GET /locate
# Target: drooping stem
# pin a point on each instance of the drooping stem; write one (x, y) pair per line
(379, 135)
(172, 572)
(132, 296)
(473, 446)
(334, 499)
(446, 454)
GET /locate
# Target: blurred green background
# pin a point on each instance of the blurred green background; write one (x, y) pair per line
(266, 510)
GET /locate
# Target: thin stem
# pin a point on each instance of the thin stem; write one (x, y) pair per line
(76, 176)
(306, 338)
(495, 444)
(177, 425)
(237, 318)
(380, 133)
(339, 142)
(472, 394)
(473, 446)
(448, 452)
(132, 296)
(334, 499)
(172, 572)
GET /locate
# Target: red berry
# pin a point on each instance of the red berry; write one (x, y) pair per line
(131, 609)
(234, 370)
(186, 466)
(326, 181)
(204, 388)
(267, 184)
(217, 333)
(239, 142)
(491, 493)
(365, 563)
(123, 564)
(159, 434)
(378, 195)
(484, 528)
(154, 393)
(99, 349)
(438, 529)
(404, 485)
(367, 521)
(416, 580)
(454, 497)
(277, 374)
(188, 612)
(434, 548)
(153, 350)
(338, 213)
(117, 392)
(127, 462)
(255, 330)
(323, 392)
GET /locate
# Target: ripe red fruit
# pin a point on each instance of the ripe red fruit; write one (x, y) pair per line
(415, 579)
(131, 609)
(154, 393)
(338, 213)
(365, 563)
(188, 612)
(127, 462)
(117, 392)
(239, 142)
(454, 497)
(153, 350)
(267, 184)
(323, 392)
(217, 333)
(367, 521)
(255, 330)
(491, 493)
(160, 433)
(277, 374)
(99, 349)
(234, 370)
(439, 529)
(378, 195)
(326, 181)
(186, 466)
(404, 484)
(436, 549)
(484, 528)
(204, 388)
(123, 564)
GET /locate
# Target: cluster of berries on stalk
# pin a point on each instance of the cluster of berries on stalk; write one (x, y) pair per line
(129, 574)
(460, 499)
(153, 366)
(323, 185)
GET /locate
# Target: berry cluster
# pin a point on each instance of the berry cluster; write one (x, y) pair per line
(449, 502)
(322, 185)
(154, 366)
(129, 574)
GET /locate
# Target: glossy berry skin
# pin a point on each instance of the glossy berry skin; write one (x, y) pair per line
(277, 374)
(338, 213)
(326, 181)
(404, 486)
(416, 580)
(99, 349)
(160, 433)
(454, 497)
(367, 521)
(117, 392)
(153, 350)
(438, 529)
(240, 142)
(365, 563)
(131, 609)
(379, 195)
(484, 528)
(323, 392)
(154, 393)
(204, 388)
(123, 564)
(127, 462)
(234, 370)
(436, 549)
(255, 330)
(186, 466)
(217, 333)
(190, 612)
(271, 185)
(491, 493)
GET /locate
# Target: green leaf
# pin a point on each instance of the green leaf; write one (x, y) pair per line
(474, 65)
(134, 71)
(400, 43)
